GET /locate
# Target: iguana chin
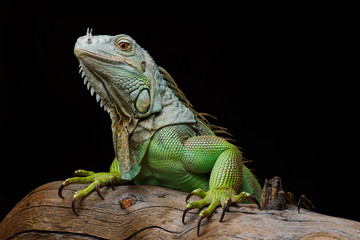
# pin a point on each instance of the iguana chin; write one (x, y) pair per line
(159, 139)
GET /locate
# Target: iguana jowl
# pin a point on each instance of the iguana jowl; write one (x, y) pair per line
(159, 139)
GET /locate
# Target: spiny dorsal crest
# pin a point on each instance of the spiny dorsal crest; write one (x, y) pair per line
(170, 82)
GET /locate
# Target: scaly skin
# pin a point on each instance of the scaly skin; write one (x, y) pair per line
(158, 138)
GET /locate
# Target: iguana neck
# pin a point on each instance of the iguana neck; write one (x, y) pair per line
(121, 126)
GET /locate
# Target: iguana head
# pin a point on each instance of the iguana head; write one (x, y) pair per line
(122, 74)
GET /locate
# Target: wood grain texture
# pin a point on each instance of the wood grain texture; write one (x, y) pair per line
(155, 213)
(273, 196)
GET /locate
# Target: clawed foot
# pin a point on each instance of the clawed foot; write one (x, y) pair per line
(96, 180)
(303, 201)
(214, 197)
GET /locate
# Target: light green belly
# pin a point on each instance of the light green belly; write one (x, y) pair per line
(170, 174)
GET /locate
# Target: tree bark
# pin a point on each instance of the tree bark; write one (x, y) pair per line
(143, 212)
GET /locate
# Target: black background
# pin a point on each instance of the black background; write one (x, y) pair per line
(278, 75)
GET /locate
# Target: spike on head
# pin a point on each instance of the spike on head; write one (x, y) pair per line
(89, 35)
(89, 32)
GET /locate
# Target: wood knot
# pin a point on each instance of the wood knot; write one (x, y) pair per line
(127, 202)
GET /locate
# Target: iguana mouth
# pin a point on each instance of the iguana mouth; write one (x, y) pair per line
(103, 57)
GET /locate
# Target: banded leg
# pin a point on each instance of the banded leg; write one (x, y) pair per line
(225, 182)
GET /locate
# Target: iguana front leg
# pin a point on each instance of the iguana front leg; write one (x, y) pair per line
(96, 180)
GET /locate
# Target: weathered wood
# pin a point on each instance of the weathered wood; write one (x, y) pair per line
(273, 196)
(155, 213)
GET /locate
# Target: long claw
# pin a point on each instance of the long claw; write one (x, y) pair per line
(198, 225)
(98, 190)
(60, 191)
(255, 201)
(73, 206)
(222, 214)
(299, 204)
(226, 207)
(184, 214)
(189, 196)
(65, 183)
(111, 184)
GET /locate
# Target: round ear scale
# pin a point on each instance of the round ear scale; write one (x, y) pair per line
(143, 101)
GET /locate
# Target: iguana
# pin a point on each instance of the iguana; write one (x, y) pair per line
(158, 138)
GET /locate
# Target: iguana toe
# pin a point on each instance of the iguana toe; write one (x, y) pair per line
(303, 201)
(197, 192)
(225, 208)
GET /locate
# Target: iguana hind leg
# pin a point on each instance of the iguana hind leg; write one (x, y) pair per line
(226, 177)
(96, 180)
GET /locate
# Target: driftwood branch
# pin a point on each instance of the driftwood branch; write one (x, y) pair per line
(137, 212)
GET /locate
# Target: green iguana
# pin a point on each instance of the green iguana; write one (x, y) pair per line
(158, 138)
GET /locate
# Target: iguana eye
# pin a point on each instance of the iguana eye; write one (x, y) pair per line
(124, 44)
